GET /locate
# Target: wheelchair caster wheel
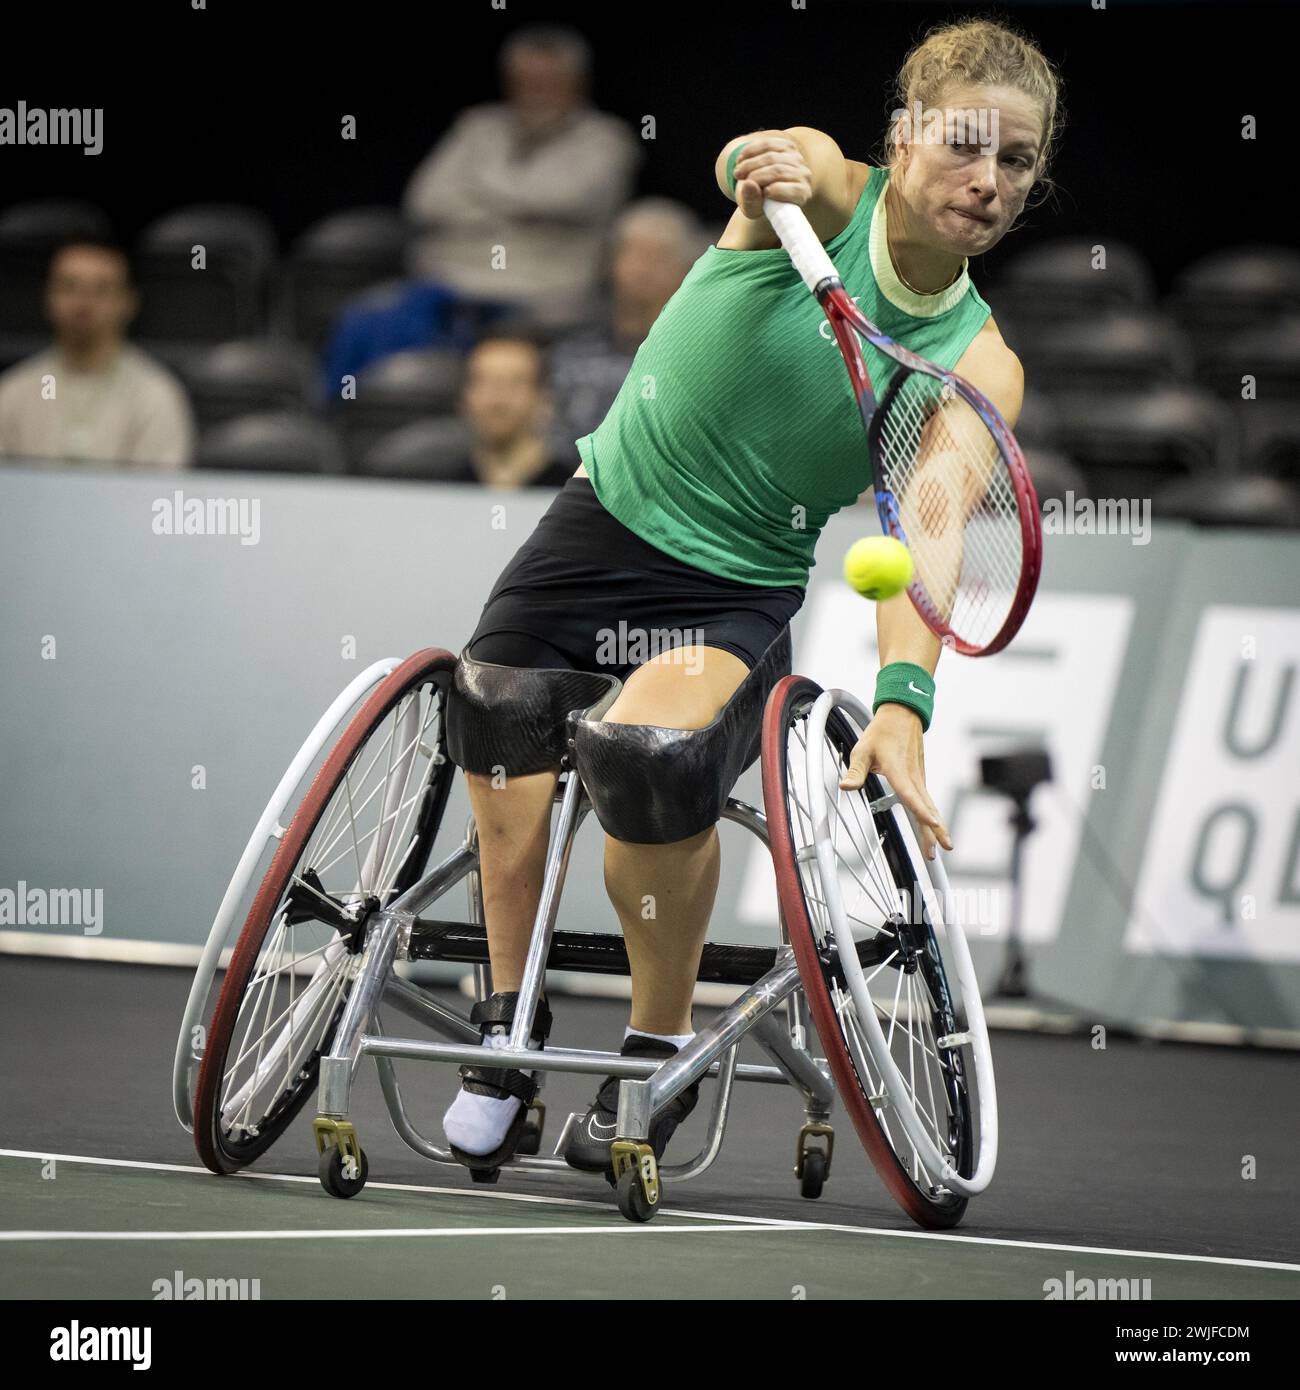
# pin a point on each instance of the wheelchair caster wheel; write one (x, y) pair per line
(636, 1179)
(812, 1164)
(343, 1175)
(342, 1167)
(632, 1201)
(813, 1177)
(487, 1175)
(530, 1141)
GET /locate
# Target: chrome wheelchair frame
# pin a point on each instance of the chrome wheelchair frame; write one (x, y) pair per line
(398, 932)
(378, 935)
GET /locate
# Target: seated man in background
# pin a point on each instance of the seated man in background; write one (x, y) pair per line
(653, 245)
(506, 406)
(93, 396)
(539, 175)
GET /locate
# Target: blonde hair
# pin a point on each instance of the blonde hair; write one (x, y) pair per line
(979, 52)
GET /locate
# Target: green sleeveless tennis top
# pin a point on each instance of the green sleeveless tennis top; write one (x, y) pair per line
(736, 435)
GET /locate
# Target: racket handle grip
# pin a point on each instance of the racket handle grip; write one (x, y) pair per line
(799, 239)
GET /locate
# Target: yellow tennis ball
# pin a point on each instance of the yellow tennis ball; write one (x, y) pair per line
(878, 567)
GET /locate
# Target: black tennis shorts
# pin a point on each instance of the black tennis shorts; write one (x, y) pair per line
(585, 593)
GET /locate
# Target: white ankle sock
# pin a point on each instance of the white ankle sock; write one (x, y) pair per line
(478, 1124)
(678, 1040)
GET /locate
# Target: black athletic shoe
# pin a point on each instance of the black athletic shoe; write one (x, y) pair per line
(589, 1142)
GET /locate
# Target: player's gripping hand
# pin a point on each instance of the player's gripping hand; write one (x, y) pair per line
(892, 744)
(771, 166)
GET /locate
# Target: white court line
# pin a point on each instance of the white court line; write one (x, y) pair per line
(726, 1220)
(379, 1232)
(245, 1176)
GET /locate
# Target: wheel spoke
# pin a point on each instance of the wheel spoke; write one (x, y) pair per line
(340, 816)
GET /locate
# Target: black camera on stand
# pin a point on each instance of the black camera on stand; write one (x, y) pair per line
(1015, 775)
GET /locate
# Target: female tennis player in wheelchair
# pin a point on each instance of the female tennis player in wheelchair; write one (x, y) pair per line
(634, 659)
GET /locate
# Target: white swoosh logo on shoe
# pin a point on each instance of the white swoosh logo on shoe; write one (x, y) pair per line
(594, 1124)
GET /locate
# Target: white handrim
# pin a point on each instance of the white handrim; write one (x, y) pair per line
(268, 828)
(958, 953)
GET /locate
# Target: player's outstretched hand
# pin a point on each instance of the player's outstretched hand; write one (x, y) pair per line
(772, 166)
(892, 745)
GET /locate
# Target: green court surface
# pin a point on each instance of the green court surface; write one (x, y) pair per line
(84, 1228)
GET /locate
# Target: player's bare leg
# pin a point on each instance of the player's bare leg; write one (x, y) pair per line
(663, 895)
(513, 819)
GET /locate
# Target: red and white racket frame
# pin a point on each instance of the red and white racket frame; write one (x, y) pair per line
(850, 326)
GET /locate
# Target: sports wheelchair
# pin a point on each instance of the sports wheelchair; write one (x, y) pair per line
(865, 991)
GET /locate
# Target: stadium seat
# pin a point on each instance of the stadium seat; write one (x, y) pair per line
(428, 449)
(398, 390)
(29, 234)
(52, 220)
(1129, 443)
(242, 377)
(1248, 500)
(336, 259)
(1268, 435)
(1058, 281)
(1113, 350)
(1232, 290)
(1268, 352)
(1055, 474)
(1036, 428)
(272, 442)
(182, 306)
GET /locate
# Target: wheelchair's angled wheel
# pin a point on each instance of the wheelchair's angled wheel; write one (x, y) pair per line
(876, 978)
(361, 836)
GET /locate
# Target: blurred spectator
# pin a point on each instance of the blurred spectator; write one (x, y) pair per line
(540, 175)
(654, 244)
(93, 395)
(506, 406)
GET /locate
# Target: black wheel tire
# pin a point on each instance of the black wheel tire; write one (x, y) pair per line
(530, 1141)
(332, 1177)
(814, 1174)
(632, 1199)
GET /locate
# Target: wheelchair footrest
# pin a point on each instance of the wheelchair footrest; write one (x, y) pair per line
(593, 952)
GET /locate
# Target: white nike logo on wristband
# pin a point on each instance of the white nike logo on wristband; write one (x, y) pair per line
(919, 691)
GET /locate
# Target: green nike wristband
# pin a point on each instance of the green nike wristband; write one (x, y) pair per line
(731, 167)
(906, 683)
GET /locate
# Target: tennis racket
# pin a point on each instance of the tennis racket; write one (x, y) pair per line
(950, 480)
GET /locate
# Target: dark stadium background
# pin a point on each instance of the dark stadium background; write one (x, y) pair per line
(242, 103)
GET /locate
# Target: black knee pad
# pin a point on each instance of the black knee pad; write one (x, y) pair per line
(511, 719)
(650, 785)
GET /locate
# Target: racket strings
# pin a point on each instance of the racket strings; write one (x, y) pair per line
(955, 503)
